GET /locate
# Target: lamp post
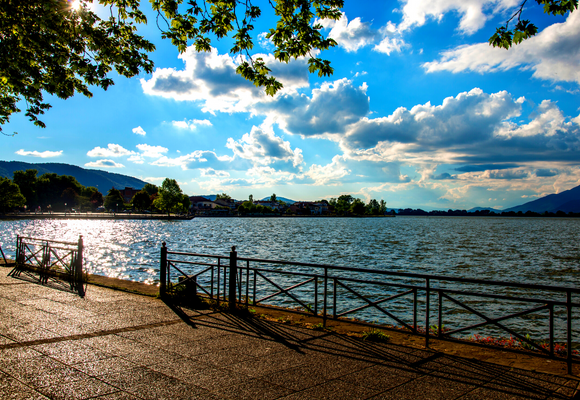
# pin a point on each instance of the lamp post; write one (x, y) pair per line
(65, 209)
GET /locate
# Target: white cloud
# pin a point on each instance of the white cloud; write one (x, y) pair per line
(151, 179)
(104, 164)
(210, 172)
(356, 34)
(139, 131)
(553, 54)
(112, 150)
(211, 79)
(350, 35)
(41, 154)
(329, 174)
(331, 109)
(152, 151)
(196, 160)
(389, 45)
(137, 159)
(192, 124)
(473, 12)
(261, 146)
(264, 41)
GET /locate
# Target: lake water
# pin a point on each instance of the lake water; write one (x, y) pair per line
(530, 250)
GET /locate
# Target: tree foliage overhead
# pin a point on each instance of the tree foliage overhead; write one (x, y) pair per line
(524, 29)
(47, 46)
(54, 47)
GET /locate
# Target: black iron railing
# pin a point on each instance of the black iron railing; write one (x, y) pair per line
(50, 261)
(441, 307)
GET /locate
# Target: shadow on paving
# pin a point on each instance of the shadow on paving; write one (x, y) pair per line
(409, 370)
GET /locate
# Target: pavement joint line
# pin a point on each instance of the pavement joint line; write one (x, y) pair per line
(88, 335)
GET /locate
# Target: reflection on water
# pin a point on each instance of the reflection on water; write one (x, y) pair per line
(529, 250)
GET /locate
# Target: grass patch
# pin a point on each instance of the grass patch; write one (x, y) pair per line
(375, 335)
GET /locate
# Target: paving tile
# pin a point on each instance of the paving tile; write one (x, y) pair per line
(254, 389)
(80, 389)
(12, 389)
(42, 371)
(71, 352)
(105, 366)
(227, 357)
(427, 387)
(381, 377)
(334, 390)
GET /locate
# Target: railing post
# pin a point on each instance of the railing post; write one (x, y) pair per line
(163, 271)
(18, 249)
(569, 331)
(79, 268)
(427, 294)
(325, 300)
(233, 276)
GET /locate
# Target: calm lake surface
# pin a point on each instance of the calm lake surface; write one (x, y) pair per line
(530, 250)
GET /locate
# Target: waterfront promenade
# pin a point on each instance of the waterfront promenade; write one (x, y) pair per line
(118, 345)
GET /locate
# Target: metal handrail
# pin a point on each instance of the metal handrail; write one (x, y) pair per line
(329, 279)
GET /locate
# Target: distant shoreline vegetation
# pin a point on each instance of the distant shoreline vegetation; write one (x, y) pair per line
(486, 213)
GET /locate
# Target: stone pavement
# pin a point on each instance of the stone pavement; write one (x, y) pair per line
(117, 345)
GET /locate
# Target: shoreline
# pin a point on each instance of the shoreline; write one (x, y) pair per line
(95, 216)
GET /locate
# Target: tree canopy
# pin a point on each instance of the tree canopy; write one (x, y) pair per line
(10, 195)
(61, 47)
(171, 198)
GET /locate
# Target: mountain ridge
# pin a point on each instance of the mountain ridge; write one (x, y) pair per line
(566, 201)
(102, 180)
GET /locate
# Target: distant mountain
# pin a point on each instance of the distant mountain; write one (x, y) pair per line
(566, 201)
(102, 180)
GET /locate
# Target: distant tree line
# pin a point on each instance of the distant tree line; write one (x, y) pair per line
(52, 192)
(485, 213)
(347, 204)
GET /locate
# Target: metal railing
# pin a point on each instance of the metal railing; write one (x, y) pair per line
(441, 307)
(49, 261)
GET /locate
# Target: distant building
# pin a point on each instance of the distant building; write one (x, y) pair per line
(199, 203)
(128, 194)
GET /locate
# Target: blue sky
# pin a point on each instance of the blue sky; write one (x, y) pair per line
(420, 112)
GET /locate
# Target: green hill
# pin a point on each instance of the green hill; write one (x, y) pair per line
(102, 180)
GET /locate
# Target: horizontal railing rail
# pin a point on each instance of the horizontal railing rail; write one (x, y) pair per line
(403, 298)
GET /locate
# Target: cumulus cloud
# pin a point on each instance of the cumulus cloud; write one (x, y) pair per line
(350, 35)
(262, 146)
(331, 109)
(469, 117)
(139, 131)
(356, 34)
(112, 150)
(553, 54)
(104, 164)
(199, 159)
(152, 151)
(210, 172)
(474, 13)
(211, 79)
(330, 174)
(41, 154)
(192, 124)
